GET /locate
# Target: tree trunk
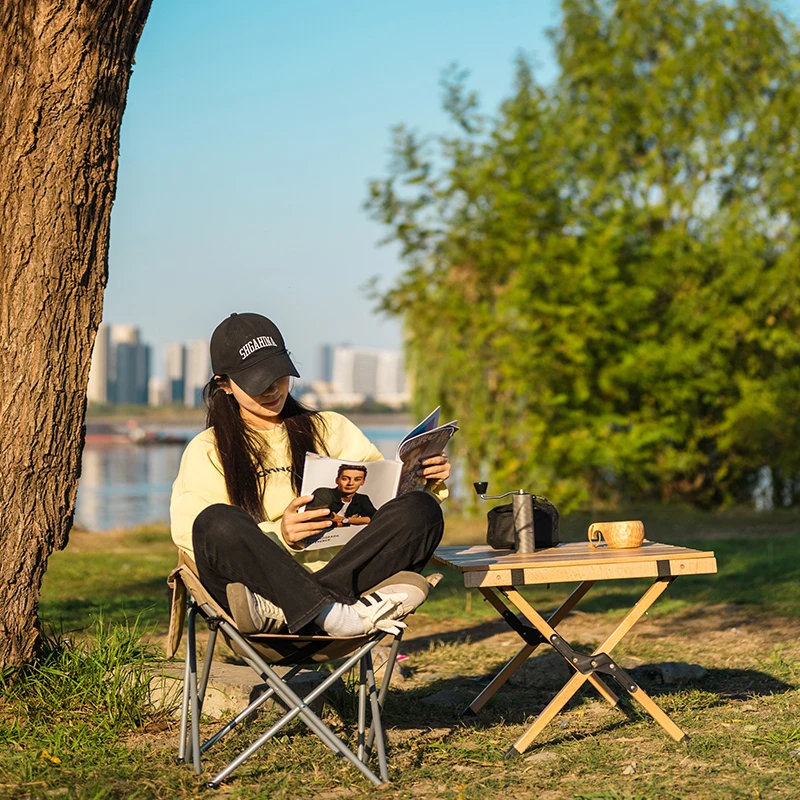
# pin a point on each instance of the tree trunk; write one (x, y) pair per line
(65, 66)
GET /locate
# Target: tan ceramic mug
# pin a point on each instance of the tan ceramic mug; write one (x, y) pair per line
(618, 535)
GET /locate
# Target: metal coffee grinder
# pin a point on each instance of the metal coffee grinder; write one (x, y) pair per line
(522, 509)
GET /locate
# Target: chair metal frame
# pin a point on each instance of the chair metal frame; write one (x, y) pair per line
(263, 652)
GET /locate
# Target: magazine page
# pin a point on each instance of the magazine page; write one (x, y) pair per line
(420, 447)
(352, 490)
(428, 424)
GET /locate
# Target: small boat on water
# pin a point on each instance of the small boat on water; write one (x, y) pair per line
(142, 437)
(110, 434)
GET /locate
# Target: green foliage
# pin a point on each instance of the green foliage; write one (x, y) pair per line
(603, 279)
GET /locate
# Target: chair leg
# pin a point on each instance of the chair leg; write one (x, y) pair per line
(191, 656)
(362, 709)
(348, 664)
(390, 665)
(387, 678)
(377, 725)
(212, 640)
(184, 712)
(243, 715)
(321, 730)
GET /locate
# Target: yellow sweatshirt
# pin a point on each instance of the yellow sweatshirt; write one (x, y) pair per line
(200, 482)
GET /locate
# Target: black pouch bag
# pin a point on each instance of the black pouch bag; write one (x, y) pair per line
(500, 534)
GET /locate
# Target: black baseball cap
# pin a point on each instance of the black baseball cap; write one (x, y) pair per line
(250, 349)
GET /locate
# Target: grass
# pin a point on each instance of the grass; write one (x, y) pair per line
(118, 576)
(76, 724)
(63, 715)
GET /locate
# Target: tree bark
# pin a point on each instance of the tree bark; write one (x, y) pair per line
(65, 67)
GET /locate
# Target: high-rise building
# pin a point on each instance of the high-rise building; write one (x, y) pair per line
(362, 370)
(198, 371)
(175, 368)
(326, 362)
(157, 391)
(129, 366)
(144, 358)
(120, 367)
(360, 373)
(97, 390)
(343, 370)
(363, 377)
(390, 375)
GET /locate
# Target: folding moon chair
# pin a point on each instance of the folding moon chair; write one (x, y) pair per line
(263, 652)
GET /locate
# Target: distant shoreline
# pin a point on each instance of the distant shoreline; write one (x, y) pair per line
(195, 418)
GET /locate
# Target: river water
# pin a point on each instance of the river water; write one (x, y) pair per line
(124, 485)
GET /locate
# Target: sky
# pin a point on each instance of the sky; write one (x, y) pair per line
(249, 138)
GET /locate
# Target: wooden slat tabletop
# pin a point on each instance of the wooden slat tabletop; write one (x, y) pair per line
(483, 557)
(573, 561)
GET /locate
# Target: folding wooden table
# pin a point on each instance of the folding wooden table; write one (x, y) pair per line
(497, 574)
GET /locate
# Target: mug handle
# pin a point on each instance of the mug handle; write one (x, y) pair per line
(595, 535)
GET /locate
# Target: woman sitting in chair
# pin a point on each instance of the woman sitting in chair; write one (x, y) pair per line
(235, 507)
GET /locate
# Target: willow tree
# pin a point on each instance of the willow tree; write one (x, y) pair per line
(603, 278)
(65, 66)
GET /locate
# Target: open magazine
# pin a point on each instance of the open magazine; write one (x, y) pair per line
(355, 490)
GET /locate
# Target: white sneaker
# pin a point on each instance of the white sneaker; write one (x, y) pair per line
(381, 611)
(253, 613)
(416, 587)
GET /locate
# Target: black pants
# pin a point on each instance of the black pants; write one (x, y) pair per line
(229, 547)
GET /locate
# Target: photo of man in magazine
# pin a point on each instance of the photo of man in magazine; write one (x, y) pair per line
(351, 509)
(348, 506)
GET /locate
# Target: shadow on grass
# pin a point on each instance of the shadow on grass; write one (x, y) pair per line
(146, 599)
(724, 684)
(475, 633)
(440, 702)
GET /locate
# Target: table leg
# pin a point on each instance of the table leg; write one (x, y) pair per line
(522, 655)
(579, 678)
(546, 716)
(604, 691)
(499, 680)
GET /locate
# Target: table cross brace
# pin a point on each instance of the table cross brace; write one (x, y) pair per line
(532, 638)
(589, 664)
(527, 633)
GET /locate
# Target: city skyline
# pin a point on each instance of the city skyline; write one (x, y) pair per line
(122, 372)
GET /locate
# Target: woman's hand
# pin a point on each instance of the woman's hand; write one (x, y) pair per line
(435, 469)
(299, 525)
